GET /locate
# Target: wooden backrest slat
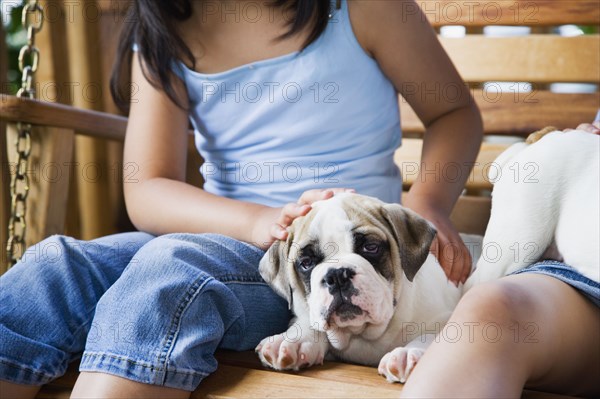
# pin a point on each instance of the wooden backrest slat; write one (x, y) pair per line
(87, 122)
(408, 159)
(520, 113)
(509, 12)
(506, 113)
(533, 58)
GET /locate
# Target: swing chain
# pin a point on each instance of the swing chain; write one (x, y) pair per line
(32, 19)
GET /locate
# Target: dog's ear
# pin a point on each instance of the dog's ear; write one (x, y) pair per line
(273, 269)
(413, 235)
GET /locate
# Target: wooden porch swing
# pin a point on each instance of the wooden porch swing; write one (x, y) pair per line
(75, 128)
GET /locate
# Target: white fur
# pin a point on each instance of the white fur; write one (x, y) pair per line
(553, 199)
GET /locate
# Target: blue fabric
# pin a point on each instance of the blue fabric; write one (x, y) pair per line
(152, 310)
(323, 117)
(567, 274)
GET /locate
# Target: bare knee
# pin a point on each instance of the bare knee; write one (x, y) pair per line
(503, 315)
(501, 302)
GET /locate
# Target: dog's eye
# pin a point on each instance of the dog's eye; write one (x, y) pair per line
(371, 248)
(306, 262)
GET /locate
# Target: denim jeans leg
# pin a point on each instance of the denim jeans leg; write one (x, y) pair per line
(182, 297)
(47, 302)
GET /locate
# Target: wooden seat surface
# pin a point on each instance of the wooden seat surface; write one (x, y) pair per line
(240, 375)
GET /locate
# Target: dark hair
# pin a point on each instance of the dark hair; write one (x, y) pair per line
(150, 24)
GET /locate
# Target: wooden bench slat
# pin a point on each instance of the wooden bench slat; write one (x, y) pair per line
(520, 113)
(478, 13)
(339, 372)
(408, 159)
(526, 58)
(510, 12)
(471, 214)
(90, 123)
(334, 371)
(231, 382)
(238, 382)
(506, 113)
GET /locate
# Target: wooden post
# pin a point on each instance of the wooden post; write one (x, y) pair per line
(93, 174)
(113, 17)
(52, 78)
(5, 180)
(54, 82)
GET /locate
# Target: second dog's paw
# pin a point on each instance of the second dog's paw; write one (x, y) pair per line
(283, 354)
(397, 365)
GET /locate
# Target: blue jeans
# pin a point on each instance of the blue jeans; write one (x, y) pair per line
(566, 274)
(152, 310)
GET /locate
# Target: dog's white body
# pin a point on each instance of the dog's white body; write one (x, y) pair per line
(546, 198)
(545, 201)
(385, 309)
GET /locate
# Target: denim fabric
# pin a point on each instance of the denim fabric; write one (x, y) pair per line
(567, 274)
(153, 310)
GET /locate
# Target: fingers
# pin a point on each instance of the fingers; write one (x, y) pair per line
(310, 196)
(288, 213)
(278, 232)
(461, 262)
(590, 128)
(291, 211)
(454, 258)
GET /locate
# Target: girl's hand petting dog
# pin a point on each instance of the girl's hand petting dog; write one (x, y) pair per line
(272, 223)
(589, 127)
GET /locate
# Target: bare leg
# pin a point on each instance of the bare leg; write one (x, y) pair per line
(10, 390)
(541, 333)
(101, 385)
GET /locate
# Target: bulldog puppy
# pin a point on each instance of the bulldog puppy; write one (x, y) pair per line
(545, 205)
(363, 286)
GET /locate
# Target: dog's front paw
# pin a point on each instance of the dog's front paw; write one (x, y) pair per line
(397, 365)
(281, 353)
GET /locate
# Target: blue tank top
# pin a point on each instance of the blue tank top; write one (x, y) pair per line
(323, 117)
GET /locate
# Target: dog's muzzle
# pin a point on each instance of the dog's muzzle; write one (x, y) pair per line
(340, 287)
(349, 293)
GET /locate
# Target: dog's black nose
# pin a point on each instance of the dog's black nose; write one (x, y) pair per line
(339, 279)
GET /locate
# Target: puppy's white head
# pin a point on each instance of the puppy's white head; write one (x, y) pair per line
(344, 264)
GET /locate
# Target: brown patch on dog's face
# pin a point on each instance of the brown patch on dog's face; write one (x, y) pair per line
(374, 246)
(277, 265)
(409, 236)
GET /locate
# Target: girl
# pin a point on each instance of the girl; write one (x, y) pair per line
(291, 101)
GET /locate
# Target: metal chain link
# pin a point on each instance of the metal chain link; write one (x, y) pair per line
(32, 19)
